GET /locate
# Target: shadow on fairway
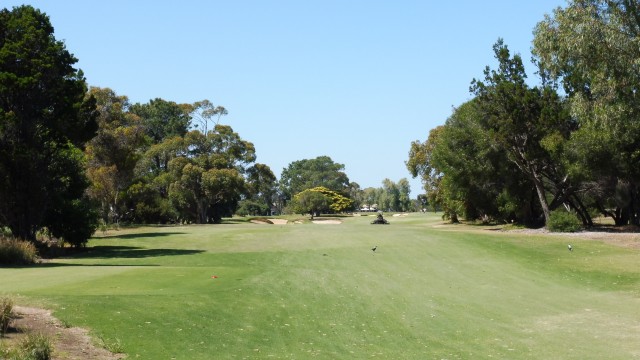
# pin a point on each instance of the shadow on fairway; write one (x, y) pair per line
(128, 252)
(57, 264)
(139, 235)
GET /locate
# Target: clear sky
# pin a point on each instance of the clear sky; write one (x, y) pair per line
(354, 80)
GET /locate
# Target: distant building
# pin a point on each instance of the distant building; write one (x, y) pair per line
(369, 208)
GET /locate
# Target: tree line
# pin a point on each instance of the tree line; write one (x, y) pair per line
(72, 156)
(516, 152)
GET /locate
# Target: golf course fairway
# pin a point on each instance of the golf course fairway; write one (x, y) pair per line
(242, 290)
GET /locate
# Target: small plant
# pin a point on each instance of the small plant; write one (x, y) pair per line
(6, 314)
(36, 347)
(17, 252)
(563, 221)
(114, 346)
(103, 227)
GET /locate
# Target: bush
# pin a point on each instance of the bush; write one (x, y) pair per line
(6, 315)
(36, 347)
(17, 252)
(563, 221)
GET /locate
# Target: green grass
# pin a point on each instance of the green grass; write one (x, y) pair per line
(318, 291)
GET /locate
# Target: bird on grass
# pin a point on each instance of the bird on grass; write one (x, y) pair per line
(374, 248)
(570, 247)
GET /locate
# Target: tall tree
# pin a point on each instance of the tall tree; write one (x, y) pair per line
(319, 199)
(520, 119)
(309, 173)
(421, 164)
(261, 186)
(163, 119)
(478, 172)
(207, 182)
(115, 150)
(44, 120)
(591, 48)
(404, 194)
(204, 112)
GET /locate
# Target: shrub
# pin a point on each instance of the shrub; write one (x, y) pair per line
(17, 252)
(36, 347)
(563, 221)
(6, 308)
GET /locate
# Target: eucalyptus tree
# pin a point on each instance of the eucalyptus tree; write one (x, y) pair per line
(261, 190)
(591, 48)
(207, 183)
(421, 164)
(113, 153)
(45, 121)
(163, 119)
(204, 112)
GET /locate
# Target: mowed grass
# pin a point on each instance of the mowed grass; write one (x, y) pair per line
(248, 291)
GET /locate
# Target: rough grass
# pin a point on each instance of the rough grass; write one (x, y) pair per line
(6, 314)
(33, 347)
(430, 291)
(17, 252)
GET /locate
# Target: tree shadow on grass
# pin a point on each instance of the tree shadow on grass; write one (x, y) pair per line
(107, 252)
(127, 252)
(138, 235)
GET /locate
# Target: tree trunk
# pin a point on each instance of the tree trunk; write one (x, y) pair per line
(201, 210)
(454, 218)
(542, 197)
(583, 211)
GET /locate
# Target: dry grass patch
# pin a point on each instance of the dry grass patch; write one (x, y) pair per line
(68, 343)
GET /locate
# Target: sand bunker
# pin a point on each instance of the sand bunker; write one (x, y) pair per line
(270, 221)
(327, 222)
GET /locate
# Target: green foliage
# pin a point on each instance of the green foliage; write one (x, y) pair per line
(564, 221)
(309, 173)
(520, 120)
(76, 221)
(44, 120)
(261, 186)
(17, 252)
(6, 314)
(312, 202)
(114, 152)
(208, 184)
(249, 207)
(162, 119)
(590, 48)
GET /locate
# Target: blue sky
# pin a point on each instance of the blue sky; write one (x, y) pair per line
(354, 80)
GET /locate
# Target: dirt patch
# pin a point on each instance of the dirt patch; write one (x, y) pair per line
(68, 343)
